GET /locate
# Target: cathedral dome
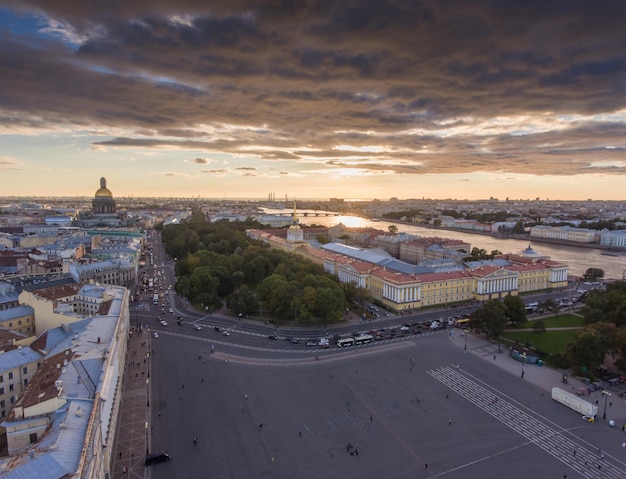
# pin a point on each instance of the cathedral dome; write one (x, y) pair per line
(103, 191)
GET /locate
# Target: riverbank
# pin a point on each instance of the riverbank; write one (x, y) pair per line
(522, 237)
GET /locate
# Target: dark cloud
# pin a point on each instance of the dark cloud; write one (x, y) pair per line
(201, 161)
(437, 85)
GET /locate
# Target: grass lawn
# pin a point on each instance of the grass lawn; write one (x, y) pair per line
(550, 341)
(561, 321)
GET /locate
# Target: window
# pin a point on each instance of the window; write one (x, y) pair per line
(25, 369)
(25, 382)
(11, 375)
(2, 391)
(33, 437)
(11, 387)
(1, 378)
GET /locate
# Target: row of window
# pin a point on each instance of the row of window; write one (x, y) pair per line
(19, 322)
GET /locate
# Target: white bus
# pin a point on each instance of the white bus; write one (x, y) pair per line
(363, 339)
(342, 343)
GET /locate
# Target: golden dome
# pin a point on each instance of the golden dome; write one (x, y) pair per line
(103, 192)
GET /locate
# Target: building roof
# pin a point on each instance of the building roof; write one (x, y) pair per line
(18, 357)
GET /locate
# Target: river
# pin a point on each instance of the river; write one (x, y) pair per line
(579, 259)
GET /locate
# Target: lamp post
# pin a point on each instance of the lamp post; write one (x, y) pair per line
(523, 362)
(146, 427)
(606, 395)
(465, 344)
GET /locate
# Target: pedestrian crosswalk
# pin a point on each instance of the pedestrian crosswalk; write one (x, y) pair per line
(539, 431)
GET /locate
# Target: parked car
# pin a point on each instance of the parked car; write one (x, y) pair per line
(312, 342)
(226, 332)
(156, 335)
(272, 336)
(197, 327)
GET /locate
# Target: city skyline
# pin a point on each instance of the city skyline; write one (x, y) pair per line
(356, 99)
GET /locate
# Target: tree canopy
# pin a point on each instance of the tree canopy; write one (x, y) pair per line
(218, 264)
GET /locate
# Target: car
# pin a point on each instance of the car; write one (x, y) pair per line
(163, 323)
(156, 335)
(312, 343)
(197, 327)
(226, 332)
(324, 343)
(156, 458)
(589, 418)
(171, 311)
(294, 341)
(217, 328)
(272, 336)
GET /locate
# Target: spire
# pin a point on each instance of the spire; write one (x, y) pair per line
(294, 220)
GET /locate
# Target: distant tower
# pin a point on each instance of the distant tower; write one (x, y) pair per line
(295, 233)
(103, 202)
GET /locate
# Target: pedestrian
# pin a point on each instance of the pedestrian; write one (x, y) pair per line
(300, 433)
(125, 469)
(120, 454)
(494, 357)
(574, 452)
(450, 422)
(183, 386)
(195, 441)
(610, 404)
(371, 418)
(425, 466)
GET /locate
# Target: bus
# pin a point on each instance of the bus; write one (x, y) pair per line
(155, 298)
(363, 339)
(342, 343)
(462, 323)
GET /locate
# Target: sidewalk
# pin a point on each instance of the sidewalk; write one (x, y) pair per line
(543, 377)
(133, 425)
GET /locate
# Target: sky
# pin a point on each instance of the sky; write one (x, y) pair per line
(366, 99)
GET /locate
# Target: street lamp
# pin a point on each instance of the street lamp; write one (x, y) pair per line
(465, 345)
(523, 362)
(146, 427)
(606, 395)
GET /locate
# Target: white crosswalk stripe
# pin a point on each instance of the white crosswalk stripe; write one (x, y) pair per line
(548, 437)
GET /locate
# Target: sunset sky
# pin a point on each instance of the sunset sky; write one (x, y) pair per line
(314, 98)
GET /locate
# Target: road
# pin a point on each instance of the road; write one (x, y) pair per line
(413, 406)
(402, 405)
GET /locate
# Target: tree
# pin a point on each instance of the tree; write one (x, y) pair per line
(550, 306)
(393, 229)
(593, 274)
(539, 326)
(587, 349)
(490, 319)
(515, 309)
